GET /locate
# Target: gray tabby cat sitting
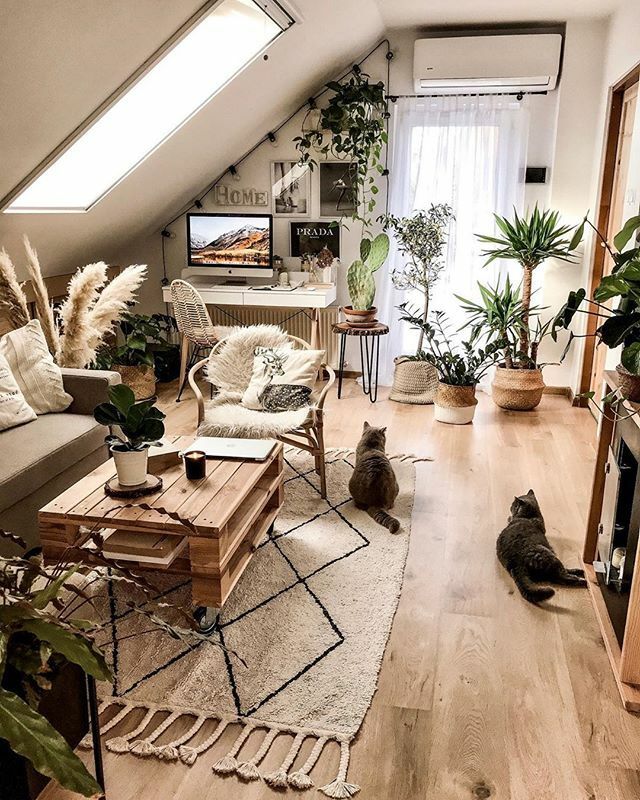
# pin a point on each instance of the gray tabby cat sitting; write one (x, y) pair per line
(373, 484)
(525, 552)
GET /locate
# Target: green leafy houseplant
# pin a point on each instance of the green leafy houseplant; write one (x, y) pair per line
(421, 239)
(620, 326)
(462, 365)
(146, 342)
(49, 618)
(530, 240)
(140, 424)
(352, 128)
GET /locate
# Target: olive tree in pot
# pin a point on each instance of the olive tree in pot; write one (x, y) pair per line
(460, 367)
(421, 239)
(620, 326)
(530, 240)
(140, 425)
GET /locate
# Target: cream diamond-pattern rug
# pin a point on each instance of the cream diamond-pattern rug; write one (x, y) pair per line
(304, 633)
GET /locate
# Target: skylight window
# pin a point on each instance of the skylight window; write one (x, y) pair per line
(176, 87)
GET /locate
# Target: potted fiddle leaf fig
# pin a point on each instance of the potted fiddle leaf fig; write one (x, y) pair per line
(619, 326)
(530, 240)
(140, 424)
(360, 281)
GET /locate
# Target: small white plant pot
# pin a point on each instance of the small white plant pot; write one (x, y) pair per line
(131, 466)
(454, 416)
(455, 405)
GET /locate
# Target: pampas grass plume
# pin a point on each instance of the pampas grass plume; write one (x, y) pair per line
(44, 312)
(13, 303)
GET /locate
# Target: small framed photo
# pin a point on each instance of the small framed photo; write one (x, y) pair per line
(309, 238)
(290, 189)
(338, 189)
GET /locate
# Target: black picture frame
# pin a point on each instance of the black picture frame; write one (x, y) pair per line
(338, 188)
(309, 237)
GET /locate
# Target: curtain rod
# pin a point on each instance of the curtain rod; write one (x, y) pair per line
(519, 95)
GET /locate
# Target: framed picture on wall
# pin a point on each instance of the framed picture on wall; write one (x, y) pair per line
(338, 192)
(290, 189)
(309, 238)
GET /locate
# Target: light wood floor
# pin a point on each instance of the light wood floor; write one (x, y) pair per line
(480, 694)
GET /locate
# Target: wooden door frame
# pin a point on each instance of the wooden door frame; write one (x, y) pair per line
(605, 198)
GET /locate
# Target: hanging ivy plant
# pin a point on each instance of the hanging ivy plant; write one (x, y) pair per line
(352, 128)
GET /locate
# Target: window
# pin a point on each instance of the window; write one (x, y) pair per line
(177, 86)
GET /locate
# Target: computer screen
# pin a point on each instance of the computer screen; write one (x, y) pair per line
(230, 240)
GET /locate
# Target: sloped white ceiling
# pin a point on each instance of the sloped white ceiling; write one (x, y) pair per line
(64, 57)
(402, 13)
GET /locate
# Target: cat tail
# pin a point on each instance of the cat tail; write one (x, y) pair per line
(382, 518)
(528, 589)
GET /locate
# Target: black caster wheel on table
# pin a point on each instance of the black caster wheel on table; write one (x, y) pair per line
(207, 618)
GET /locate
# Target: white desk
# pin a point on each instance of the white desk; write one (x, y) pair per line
(220, 295)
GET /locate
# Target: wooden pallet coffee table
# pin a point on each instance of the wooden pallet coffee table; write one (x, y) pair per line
(229, 512)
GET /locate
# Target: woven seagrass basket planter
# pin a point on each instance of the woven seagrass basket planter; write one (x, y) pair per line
(141, 379)
(629, 384)
(455, 405)
(414, 382)
(517, 389)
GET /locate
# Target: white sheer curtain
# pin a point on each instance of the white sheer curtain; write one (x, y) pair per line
(469, 152)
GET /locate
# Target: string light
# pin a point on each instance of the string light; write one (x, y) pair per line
(233, 170)
(272, 138)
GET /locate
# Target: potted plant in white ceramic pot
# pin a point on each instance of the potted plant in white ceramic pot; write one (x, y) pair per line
(140, 425)
(460, 367)
(530, 240)
(421, 238)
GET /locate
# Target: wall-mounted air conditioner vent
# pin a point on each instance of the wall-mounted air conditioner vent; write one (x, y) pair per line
(496, 63)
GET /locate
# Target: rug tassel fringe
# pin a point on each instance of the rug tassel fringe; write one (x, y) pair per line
(279, 778)
(248, 770)
(122, 744)
(339, 788)
(300, 779)
(86, 743)
(145, 747)
(189, 754)
(229, 763)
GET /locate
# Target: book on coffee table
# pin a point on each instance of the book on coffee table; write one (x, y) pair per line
(150, 548)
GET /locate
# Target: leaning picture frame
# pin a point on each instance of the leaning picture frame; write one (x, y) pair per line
(309, 238)
(290, 189)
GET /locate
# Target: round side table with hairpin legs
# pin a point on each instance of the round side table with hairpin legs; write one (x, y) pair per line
(369, 354)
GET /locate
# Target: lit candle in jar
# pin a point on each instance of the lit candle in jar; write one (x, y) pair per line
(195, 464)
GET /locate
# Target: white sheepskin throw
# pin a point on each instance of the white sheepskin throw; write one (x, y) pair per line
(229, 370)
(233, 419)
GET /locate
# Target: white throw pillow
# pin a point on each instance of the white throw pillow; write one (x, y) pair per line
(280, 365)
(33, 367)
(14, 409)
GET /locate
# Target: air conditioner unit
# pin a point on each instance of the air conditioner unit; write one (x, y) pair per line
(480, 64)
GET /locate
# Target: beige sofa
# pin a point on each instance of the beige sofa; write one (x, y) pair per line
(41, 459)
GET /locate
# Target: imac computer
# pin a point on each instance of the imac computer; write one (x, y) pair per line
(236, 246)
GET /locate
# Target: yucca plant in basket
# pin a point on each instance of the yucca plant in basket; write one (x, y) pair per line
(530, 240)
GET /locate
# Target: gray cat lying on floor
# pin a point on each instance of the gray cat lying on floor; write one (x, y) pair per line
(373, 484)
(525, 552)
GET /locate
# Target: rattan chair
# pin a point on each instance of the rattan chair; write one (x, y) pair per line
(309, 436)
(194, 324)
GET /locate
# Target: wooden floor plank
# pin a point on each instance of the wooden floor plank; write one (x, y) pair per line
(480, 694)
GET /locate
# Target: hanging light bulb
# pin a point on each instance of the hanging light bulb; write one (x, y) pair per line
(272, 139)
(234, 172)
